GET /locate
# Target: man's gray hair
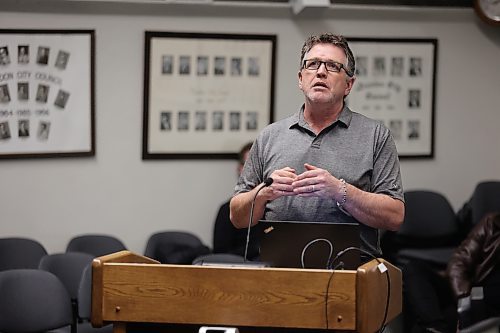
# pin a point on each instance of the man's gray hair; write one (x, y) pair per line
(329, 38)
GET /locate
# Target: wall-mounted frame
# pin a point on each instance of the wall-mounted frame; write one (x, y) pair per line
(395, 83)
(205, 95)
(46, 93)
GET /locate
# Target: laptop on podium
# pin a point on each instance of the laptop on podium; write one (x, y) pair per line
(297, 244)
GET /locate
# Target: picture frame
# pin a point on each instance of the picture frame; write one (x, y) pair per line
(47, 93)
(205, 94)
(396, 84)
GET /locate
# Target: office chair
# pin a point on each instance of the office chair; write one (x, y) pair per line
(429, 231)
(33, 300)
(18, 253)
(68, 267)
(485, 199)
(96, 245)
(84, 299)
(175, 247)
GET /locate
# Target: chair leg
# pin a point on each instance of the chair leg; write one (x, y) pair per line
(74, 323)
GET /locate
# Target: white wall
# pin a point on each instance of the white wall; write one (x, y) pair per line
(117, 192)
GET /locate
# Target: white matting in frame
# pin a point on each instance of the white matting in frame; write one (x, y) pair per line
(395, 83)
(46, 93)
(205, 95)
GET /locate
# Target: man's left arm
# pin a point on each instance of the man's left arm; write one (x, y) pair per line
(383, 205)
(373, 209)
(376, 210)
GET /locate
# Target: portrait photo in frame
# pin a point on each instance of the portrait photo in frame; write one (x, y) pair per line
(46, 93)
(396, 83)
(205, 95)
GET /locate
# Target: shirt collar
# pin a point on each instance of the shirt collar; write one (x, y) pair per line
(345, 118)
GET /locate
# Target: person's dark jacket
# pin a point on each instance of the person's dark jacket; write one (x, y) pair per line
(476, 256)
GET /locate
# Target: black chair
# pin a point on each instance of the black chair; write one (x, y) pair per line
(95, 244)
(85, 305)
(429, 231)
(33, 300)
(19, 253)
(175, 247)
(485, 199)
(85, 294)
(68, 267)
(218, 258)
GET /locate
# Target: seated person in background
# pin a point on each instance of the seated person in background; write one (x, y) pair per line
(227, 238)
(430, 303)
(476, 263)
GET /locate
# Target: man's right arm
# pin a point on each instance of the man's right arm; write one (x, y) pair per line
(241, 205)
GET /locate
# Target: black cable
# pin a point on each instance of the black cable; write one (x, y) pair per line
(250, 223)
(304, 249)
(267, 182)
(340, 254)
(326, 298)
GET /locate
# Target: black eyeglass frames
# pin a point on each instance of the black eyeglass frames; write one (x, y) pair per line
(331, 66)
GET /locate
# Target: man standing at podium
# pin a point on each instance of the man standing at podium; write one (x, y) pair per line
(328, 163)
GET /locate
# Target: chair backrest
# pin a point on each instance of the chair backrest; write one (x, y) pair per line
(68, 267)
(219, 258)
(428, 214)
(95, 244)
(85, 293)
(175, 247)
(170, 237)
(485, 199)
(33, 300)
(85, 305)
(18, 253)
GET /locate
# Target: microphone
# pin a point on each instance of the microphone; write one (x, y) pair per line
(267, 182)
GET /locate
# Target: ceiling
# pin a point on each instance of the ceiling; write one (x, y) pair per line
(418, 3)
(232, 8)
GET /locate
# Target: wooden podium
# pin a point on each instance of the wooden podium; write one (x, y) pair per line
(130, 290)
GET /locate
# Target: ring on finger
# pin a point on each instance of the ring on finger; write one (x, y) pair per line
(313, 190)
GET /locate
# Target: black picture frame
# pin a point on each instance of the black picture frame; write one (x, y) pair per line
(47, 102)
(396, 83)
(205, 94)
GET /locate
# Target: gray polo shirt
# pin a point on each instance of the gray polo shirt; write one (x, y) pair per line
(354, 147)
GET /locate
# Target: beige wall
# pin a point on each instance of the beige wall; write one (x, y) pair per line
(117, 192)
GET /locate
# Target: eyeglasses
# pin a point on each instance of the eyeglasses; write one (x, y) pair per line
(331, 66)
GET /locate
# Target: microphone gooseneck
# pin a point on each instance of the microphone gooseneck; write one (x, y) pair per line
(267, 182)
